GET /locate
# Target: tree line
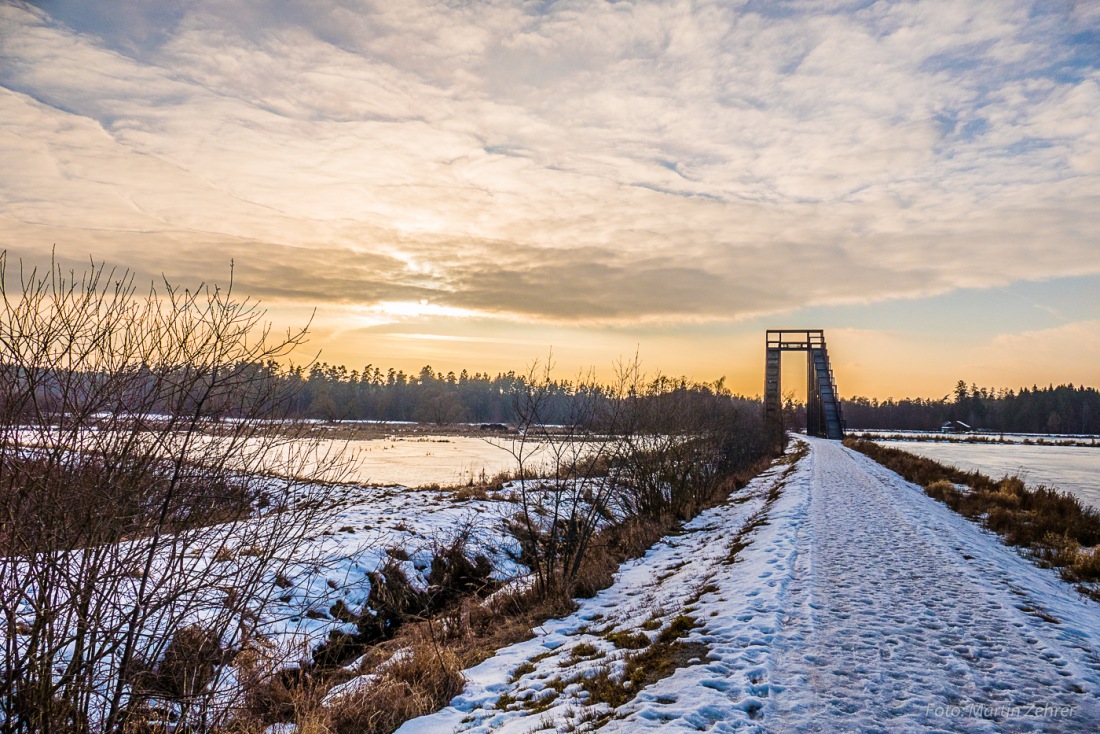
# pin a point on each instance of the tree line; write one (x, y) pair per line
(332, 392)
(1051, 409)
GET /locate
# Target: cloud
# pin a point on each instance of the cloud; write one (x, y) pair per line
(613, 162)
(1024, 358)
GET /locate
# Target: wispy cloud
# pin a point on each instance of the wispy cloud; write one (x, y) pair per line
(621, 162)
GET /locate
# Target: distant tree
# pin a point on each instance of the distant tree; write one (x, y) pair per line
(322, 406)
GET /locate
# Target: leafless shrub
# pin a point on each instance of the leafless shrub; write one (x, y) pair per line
(456, 572)
(632, 458)
(584, 458)
(137, 458)
(187, 667)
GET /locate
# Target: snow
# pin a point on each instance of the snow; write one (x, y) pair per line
(366, 524)
(828, 595)
(979, 436)
(377, 522)
(362, 682)
(1074, 469)
(419, 460)
(373, 521)
(858, 604)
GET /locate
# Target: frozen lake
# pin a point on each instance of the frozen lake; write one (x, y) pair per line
(1075, 469)
(410, 460)
(416, 461)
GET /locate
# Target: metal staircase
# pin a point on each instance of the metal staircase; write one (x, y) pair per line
(823, 413)
(826, 415)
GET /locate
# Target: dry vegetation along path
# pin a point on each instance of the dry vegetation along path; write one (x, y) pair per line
(829, 595)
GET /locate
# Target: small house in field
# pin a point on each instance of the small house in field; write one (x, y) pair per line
(955, 427)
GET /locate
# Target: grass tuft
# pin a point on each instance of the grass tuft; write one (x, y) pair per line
(624, 640)
(644, 668)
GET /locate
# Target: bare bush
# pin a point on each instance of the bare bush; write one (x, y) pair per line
(149, 496)
(631, 458)
(559, 514)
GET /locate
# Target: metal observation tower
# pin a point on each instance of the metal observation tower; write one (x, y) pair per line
(823, 417)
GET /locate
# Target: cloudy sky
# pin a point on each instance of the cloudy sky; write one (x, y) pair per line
(468, 184)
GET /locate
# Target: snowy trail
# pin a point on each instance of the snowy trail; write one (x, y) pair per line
(900, 610)
(859, 605)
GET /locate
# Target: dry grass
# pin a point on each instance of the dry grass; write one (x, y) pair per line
(625, 640)
(614, 545)
(521, 670)
(415, 684)
(411, 678)
(481, 486)
(460, 628)
(1076, 563)
(680, 626)
(657, 661)
(418, 670)
(1054, 525)
(1086, 563)
(467, 493)
(432, 676)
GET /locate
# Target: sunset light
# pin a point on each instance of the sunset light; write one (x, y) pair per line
(515, 366)
(600, 179)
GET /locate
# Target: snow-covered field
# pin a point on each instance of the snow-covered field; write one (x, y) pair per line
(374, 520)
(406, 459)
(1074, 469)
(194, 575)
(827, 596)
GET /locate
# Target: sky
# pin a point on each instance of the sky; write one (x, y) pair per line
(481, 185)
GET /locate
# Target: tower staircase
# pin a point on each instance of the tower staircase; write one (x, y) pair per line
(823, 413)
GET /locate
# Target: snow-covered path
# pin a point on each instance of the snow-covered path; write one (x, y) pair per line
(859, 605)
(902, 615)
